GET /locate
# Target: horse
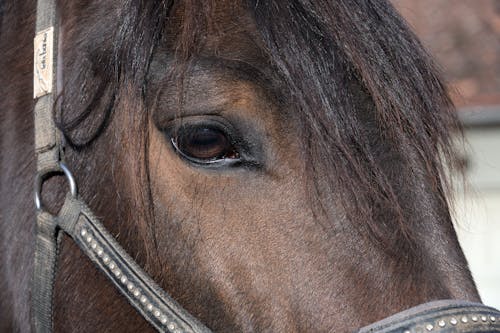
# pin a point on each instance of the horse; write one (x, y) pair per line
(275, 166)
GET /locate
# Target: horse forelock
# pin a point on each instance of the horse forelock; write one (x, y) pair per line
(333, 59)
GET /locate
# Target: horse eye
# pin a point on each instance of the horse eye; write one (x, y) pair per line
(204, 144)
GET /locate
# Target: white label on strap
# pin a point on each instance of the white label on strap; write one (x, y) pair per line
(43, 63)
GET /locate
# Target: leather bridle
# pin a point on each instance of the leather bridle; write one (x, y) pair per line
(155, 305)
(75, 218)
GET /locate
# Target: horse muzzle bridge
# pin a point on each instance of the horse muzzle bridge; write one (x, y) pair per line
(77, 220)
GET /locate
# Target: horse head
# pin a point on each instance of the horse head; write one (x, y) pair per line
(276, 166)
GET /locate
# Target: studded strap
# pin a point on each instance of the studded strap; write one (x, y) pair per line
(441, 317)
(154, 304)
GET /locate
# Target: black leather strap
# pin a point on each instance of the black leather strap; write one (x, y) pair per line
(441, 317)
(155, 305)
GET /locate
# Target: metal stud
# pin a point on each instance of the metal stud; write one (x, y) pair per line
(130, 286)
(474, 318)
(111, 265)
(88, 239)
(123, 280)
(429, 327)
(143, 299)
(163, 320)
(117, 273)
(453, 321)
(106, 259)
(157, 313)
(441, 323)
(484, 318)
(464, 319)
(149, 307)
(178, 331)
(493, 319)
(137, 293)
(93, 245)
(83, 232)
(100, 252)
(172, 327)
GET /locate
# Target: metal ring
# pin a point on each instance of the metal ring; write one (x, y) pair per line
(42, 177)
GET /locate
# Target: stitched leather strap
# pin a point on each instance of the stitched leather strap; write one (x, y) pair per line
(47, 152)
(44, 272)
(47, 141)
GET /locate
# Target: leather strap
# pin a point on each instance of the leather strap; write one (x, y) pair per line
(47, 152)
(441, 317)
(44, 272)
(47, 141)
(154, 304)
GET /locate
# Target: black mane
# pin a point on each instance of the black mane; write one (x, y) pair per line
(352, 70)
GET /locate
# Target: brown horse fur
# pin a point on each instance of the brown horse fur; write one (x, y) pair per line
(335, 218)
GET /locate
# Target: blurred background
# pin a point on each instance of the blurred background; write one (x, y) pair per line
(464, 38)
